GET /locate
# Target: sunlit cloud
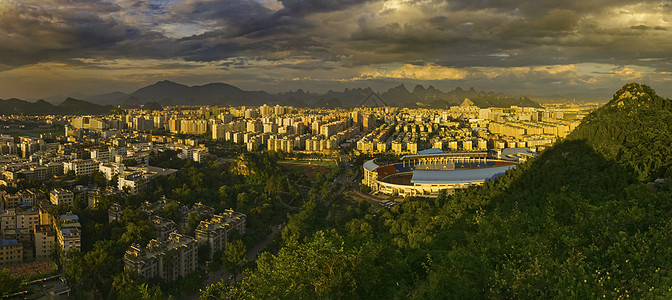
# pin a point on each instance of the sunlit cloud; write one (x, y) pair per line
(414, 72)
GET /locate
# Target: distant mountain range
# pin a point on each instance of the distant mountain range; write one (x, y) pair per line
(171, 93)
(68, 107)
(167, 93)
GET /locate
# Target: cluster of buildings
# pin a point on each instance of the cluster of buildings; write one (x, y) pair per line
(369, 130)
(128, 165)
(287, 129)
(176, 123)
(468, 128)
(172, 254)
(30, 232)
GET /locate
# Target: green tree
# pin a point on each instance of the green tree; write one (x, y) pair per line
(319, 268)
(173, 211)
(234, 257)
(192, 222)
(218, 291)
(99, 179)
(10, 284)
(130, 162)
(131, 286)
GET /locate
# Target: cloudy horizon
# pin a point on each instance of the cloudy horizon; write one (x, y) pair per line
(536, 48)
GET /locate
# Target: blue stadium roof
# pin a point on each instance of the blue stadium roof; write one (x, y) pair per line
(458, 176)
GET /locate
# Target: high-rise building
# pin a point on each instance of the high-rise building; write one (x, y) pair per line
(218, 131)
(369, 122)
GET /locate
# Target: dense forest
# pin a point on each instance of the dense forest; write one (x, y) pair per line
(585, 219)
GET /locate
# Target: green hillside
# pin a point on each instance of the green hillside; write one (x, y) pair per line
(634, 129)
(581, 221)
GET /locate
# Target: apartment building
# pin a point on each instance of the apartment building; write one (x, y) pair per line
(19, 218)
(216, 231)
(43, 238)
(68, 232)
(175, 257)
(163, 227)
(81, 166)
(62, 196)
(11, 252)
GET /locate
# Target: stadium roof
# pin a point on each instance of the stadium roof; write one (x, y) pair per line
(457, 176)
(370, 165)
(516, 151)
(430, 151)
(484, 154)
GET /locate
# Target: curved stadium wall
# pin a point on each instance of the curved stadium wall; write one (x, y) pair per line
(429, 175)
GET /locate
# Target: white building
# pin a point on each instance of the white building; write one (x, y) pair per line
(80, 166)
(61, 196)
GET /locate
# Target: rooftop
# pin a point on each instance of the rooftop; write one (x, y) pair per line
(7, 243)
(370, 165)
(70, 218)
(157, 247)
(59, 191)
(220, 220)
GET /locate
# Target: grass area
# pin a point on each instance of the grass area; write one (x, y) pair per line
(30, 132)
(322, 163)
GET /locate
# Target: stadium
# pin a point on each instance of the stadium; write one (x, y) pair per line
(432, 171)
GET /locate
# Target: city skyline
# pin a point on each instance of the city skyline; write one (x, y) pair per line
(539, 48)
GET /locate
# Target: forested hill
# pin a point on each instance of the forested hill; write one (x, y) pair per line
(635, 129)
(578, 222)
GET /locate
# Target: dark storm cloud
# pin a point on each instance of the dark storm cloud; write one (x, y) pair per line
(342, 35)
(62, 29)
(32, 33)
(310, 6)
(475, 33)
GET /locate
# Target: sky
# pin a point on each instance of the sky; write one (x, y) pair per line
(572, 48)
